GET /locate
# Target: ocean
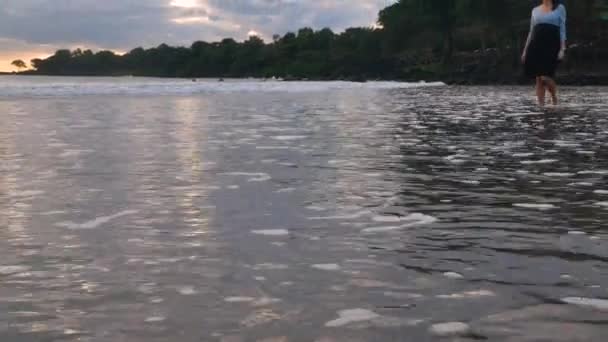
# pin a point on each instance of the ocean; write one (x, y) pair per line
(140, 209)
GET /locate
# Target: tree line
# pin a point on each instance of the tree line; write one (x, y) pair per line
(413, 39)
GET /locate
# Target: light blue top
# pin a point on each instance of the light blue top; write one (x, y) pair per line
(556, 17)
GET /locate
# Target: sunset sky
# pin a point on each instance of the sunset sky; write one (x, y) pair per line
(36, 28)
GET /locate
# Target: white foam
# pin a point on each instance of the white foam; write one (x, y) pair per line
(272, 147)
(522, 155)
(581, 184)
(453, 275)
(542, 161)
(187, 290)
(576, 232)
(95, 222)
(253, 176)
(239, 299)
(602, 204)
(327, 267)
(539, 206)
(593, 172)
(315, 208)
(289, 137)
(71, 332)
(352, 316)
(600, 192)
(40, 86)
(271, 232)
(270, 267)
(265, 301)
(596, 303)
(558, 174)
(412, 220)
(468, 295)
(352, 216)
(450, 329)
(155, 319)
(55, 212)
(386, 219)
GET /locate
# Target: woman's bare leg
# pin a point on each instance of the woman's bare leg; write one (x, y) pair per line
(552, 87)
(540, 91)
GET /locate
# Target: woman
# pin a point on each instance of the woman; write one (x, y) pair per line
(545, 47)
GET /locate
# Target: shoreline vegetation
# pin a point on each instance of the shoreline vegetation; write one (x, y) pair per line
(454, 41)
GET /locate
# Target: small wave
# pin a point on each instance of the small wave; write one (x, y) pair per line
(36, 86)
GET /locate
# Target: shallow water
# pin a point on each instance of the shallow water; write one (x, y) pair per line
(325, 213)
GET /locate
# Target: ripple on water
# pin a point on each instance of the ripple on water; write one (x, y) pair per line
(537, 206)
(542, 161)
(412, 220)
(13, 269)
(95, 223)
(595, 303)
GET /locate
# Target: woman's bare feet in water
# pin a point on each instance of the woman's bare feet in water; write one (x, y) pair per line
(550, 84)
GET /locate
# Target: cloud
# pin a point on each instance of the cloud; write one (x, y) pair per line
(40, 26)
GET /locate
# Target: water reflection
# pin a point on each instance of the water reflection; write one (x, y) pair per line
(349, 215)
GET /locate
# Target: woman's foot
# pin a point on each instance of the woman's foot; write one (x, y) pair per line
(552, 87)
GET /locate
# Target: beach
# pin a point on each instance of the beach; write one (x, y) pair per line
(142, 209)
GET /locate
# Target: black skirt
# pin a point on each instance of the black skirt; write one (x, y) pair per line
(542, 54)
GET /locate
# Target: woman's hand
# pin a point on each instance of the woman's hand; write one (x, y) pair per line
(561, 54)
(523, 57)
